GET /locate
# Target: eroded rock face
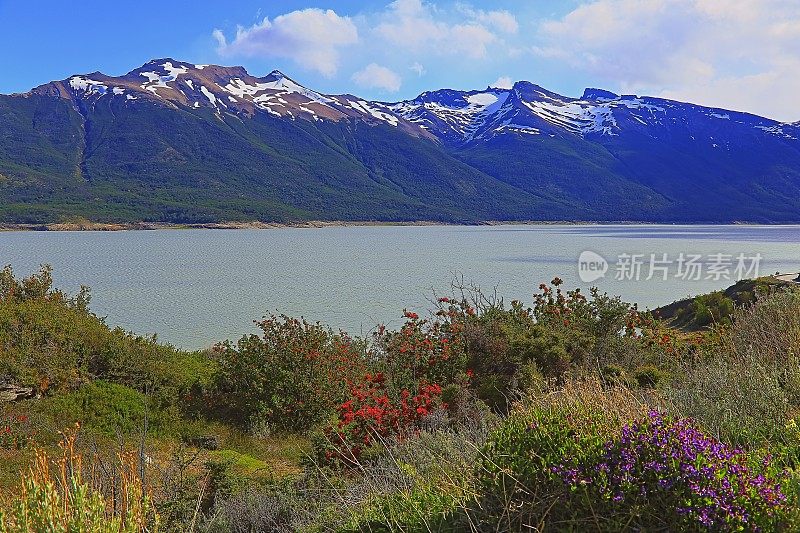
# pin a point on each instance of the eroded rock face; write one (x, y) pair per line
(11, 393)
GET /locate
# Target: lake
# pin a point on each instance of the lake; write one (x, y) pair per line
(196, 287)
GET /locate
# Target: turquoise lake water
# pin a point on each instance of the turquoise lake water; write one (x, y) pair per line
(196, 287)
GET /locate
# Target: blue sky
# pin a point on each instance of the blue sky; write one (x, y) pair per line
(737, 54)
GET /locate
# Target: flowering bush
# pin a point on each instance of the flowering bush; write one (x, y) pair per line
(292, 377)
(412, 366)
(372, 415)
(424, 350)
(599, 315)
(575, 464)
(668, 474)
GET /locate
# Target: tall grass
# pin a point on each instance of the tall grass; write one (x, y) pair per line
(749, 389)
(58, 494)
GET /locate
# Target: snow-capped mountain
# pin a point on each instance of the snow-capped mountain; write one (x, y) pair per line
(455, 117)
(460, 117)
(180, 142)
(225, 90)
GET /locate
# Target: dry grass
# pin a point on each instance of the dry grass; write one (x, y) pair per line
(749, 389)
(576, 397)
(64, 494)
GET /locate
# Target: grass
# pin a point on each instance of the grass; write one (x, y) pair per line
(56, 495)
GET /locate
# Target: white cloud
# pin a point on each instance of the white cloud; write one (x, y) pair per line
(501, 20)
(310, 37)
(740, 54)
(418, 27)
(503, 82)
(418, 68)
(374, 76)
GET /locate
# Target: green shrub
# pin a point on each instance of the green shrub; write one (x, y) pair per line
(291, 378)
(106, 408)
(650, 376)
(54, 343)
(516, 479)
(614, 375)
(711, 308)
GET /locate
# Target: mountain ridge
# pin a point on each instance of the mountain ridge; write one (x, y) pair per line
(173, 69)
(172, 141)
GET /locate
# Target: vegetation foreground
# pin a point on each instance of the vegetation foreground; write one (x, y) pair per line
(578, 413)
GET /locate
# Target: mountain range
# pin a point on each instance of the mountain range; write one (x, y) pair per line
(177, 142)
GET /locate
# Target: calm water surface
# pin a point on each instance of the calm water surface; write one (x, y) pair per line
(196, 287)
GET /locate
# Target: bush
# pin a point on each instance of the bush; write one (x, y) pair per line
(414, 368)
(54, 343)
(660, 474)
(650, 376)
(108, 409)
(291, 378)
(563, 334)
(577, 464)
(518, 483)
(712, 308)
(371, 416)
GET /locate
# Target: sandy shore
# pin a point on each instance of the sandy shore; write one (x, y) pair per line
(150, 226)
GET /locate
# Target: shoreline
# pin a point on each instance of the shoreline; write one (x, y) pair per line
(320, 224)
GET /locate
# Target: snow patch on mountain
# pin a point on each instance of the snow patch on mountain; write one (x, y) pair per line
(156, 80)
(371, 109)
(779, 130)
(576, 117)
(173, 71)
(239, 88)
(208, 94)
(482, 99)
(465, 114)
(272, 92)
(518, 128)
(285, 85)
(88, 86)
(634, 103)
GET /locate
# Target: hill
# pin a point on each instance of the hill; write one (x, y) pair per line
(177, 142)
